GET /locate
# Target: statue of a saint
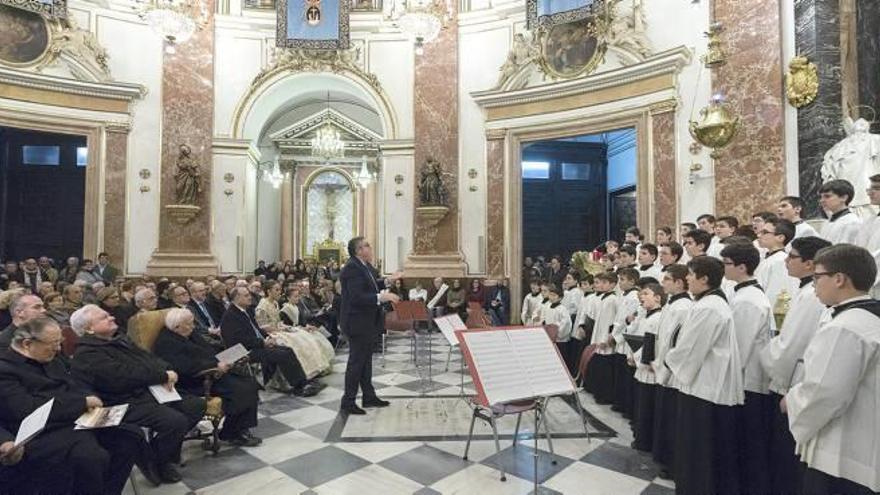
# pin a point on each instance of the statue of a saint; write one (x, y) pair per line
(855, 158)
(187, 179)
(432, 191)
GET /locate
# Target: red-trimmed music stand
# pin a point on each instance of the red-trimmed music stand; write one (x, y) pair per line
(412, 312)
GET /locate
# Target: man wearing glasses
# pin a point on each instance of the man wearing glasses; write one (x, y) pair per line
(832, 412)
(869, 236)
(774, 235)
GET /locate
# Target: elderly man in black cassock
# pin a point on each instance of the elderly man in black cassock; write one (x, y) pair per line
(59, 459)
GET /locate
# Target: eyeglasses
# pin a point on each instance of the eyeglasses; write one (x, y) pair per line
(818, 275)
(56, 343)
(768, 232)
(794, 256)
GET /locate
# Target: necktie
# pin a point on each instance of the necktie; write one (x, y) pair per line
(205, 312)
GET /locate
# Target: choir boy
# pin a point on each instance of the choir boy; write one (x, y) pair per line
(758, 221)
(663, 235)
(670, 253)
(751, 316)
(633, 236)
(790, 208)
(652, 299)
(599, 379)
(843, 225)
(626, 257)
(559, 316)
(781, 357)
(648, 262)
(706, 222)
(545, 301)
(869, 237)
(678, 305)
(832, 411)
(724, 228)
(774, 236)
(582, 331)
(686, 227)
(627, 310)
(532, 304)
(573, 294)
(696, 242)
(706, 365)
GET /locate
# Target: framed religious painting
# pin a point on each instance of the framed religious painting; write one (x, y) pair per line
(25, 37)
(570, 50)
(313, 24)
(50, 9)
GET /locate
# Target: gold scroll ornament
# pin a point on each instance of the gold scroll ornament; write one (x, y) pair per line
(801, 82)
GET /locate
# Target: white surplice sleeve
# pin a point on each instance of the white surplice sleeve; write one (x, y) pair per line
(699, 331)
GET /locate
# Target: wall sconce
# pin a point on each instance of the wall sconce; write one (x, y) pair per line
(472, 189)
(398, 179)
(694, 172)
(144, 188)
(228, 192)
(228, 177)
(398, 193)
(472, 173)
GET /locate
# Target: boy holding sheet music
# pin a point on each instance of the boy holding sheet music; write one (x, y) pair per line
(531, 305)
(653, 297)
(599, 379)
(582, 329)
(559, 316)
(627, 311)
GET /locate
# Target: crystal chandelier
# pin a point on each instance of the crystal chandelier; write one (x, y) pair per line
(275, 176)
(172, 19)
(364, 177)
(327, 143)
(422, 20)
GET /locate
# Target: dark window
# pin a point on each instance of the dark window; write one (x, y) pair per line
(82, 156)
(575, 171)
(41, 155)
(536, 170)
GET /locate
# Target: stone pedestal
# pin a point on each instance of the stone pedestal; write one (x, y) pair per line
(187, 119)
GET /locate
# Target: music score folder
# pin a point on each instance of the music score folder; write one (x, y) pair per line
(448, 325)
(514, 363)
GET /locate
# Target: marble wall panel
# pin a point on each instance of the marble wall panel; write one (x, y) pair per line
(435, 111)
(868, 29)
(495, 207)
(188, 118)
(663, 148)
(116, 162)
(817, 37)
(750, 173)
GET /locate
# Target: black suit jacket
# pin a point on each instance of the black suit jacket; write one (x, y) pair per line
(359, 313)
(237, 327)
(216, 306)
(26, 385)
(117, 369)
(188, 356)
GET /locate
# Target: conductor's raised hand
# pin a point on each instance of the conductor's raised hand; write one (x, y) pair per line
(386, 296)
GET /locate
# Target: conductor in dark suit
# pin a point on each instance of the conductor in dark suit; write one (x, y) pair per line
(360, 319)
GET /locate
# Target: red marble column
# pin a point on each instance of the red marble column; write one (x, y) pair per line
(495, 182)
(663, 149)
(435, 116)
(187, 118)
(115, 165)
(750, 173)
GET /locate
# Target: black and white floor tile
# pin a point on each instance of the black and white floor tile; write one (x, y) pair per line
(415, 446)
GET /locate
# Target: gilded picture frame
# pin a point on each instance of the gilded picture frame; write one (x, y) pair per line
(50, 9)
(570, 50)
(25, 39)
(285, 9)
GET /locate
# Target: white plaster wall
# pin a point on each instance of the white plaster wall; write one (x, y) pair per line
(397, 212)
(249, 240)
(671, 24)
(268, 222)
(238, 59)
(120, 34)
(391, 60)
(228, 212)
(477, 71)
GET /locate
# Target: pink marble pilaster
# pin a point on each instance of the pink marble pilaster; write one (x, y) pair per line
(116, 152)
(495, 182)
(436, 132)
(750, 173)
(663, 136)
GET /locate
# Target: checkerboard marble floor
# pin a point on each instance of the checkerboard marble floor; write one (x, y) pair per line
(415, 446)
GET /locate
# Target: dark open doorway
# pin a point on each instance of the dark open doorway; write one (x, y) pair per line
(577, 192)
(42, 194)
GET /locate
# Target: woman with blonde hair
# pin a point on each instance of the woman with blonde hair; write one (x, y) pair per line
(305, 341)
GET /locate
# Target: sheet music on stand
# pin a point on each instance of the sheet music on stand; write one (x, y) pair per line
(448, 325)
(514, 363)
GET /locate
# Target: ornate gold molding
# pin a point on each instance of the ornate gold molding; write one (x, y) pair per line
(801, 82)
(301, 60)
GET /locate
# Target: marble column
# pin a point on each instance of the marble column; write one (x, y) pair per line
(435, 114)
(817, 37)
(495, 206)
(868, 29)
(115, 165)
(287, 216)
(187, 118)
(750, 173)
(664, 176)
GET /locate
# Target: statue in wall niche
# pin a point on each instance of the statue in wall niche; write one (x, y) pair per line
(188, 178)
(628, 30)
(432, 190)
(855, 158)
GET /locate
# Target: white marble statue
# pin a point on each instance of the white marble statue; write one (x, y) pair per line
(855, 158)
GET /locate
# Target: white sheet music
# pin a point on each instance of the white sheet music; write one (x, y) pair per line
(232, 355)
(448, 325)
(517, 364)
(34, 423)
(442, 290)
(163, 395)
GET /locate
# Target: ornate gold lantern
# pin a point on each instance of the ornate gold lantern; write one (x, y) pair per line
(717, 125)
(780, 309)
(715, 55)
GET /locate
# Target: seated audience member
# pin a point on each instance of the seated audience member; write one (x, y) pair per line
(439, 308)
(455, 299)
(179, 296)
(54, 304)
(31, 276)
(205, 322)
(86, 272)
(832, 411)
(23, 309)
(46, 266)
(73, 297)
(163, 299)
(145, 299)
(237, 327)
(498, 304)
(68, 273)
(10, 274)
(217, 300)
(477, 293)
(121, 373)
(190, 355)
(59, 459)
(105, 270)
(10, 455)
(418, 293)
(109, 300)
(45, 288)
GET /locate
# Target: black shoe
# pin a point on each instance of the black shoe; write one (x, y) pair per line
(245, 439)
(376, 402)
(169, 474)
(307, 390)
(150, 472)
(352, 409)
(317, 385)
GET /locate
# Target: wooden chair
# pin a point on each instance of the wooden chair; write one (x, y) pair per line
(143, 330)
(396, 327)
(477, 317)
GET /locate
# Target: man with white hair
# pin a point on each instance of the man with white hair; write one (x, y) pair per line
(190, 354)
(121, 372)
(24, 308)
(205, 322)
(145, 299)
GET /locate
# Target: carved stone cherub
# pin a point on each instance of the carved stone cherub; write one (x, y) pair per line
(432, 190)
(188, 178)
